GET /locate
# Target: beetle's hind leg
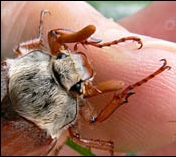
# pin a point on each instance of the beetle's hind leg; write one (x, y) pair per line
(91, 143)
(25, 47)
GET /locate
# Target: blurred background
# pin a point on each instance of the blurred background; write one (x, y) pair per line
(118, 9)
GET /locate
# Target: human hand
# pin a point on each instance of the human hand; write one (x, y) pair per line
(141, 124)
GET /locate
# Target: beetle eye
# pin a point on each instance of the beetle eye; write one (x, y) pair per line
(76, 88)
(61, 56)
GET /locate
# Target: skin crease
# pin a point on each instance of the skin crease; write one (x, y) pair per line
(148, 121)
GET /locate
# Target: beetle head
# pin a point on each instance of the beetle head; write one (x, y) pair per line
(72, 70)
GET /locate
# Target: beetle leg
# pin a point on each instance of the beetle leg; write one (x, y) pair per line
(91, 143)
(103, 87)
(87, 111)
(122, 98)
(25, 47)
(115, 42)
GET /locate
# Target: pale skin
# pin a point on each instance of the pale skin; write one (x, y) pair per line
(145, 120)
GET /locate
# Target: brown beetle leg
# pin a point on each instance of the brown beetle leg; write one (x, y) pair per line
(122, 98)
(103, 87)
(91, 143)
(25, 47)
(115, 42)
(87, 111)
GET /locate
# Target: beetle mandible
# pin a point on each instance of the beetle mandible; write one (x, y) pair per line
(49, 89)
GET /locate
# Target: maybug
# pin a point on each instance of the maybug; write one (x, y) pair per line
(47, 92)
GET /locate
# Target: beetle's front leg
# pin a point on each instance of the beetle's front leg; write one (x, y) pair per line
(25, 47)
(103, 87)
(121, 98)
(87, 111)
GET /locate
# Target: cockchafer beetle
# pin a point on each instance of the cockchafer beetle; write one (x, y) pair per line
(48, 90)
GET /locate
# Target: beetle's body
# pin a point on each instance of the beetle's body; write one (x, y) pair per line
(39, 88)
(48, 89)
